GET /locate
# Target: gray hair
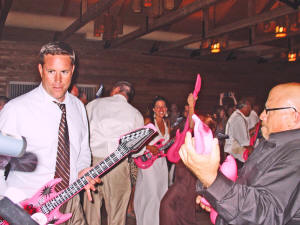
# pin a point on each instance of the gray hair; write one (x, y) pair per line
(126, 88)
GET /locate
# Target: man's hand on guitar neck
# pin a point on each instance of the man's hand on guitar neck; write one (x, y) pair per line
(92, 182)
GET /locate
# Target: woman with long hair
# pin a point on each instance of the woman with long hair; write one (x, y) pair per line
(152, 183)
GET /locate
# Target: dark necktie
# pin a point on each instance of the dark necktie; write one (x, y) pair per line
(62, 168)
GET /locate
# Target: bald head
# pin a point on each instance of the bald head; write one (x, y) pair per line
(282, 109)
(287, 94)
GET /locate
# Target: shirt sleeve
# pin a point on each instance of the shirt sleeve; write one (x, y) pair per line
(85, 151)
(139, 123)
(274, 198)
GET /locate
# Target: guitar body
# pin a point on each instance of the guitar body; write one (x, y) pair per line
(44, 205)
(147, 159)
(33, 205)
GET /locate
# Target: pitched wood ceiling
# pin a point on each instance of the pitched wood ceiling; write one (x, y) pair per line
(175, 28)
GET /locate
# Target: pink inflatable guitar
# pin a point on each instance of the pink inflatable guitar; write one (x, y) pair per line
(45, 204)
(147, 159)
(203, 143)
(173, 155)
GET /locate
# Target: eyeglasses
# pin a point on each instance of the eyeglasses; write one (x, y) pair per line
(280, 108)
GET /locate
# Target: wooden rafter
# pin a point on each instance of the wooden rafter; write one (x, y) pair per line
(91, 13)
(3, 14)
(157, 44)
(172, 17)
(246, 43)
(243, 23)
(268, 6)
(65, 7)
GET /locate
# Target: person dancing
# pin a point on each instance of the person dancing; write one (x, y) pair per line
(152, 183)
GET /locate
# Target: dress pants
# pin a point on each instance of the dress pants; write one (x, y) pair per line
(115, 189)
(74, 206)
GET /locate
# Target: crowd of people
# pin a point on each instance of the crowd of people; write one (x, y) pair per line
(70, 136)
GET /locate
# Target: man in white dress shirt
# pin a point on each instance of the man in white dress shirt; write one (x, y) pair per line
(238, 132)
(35, 116)
(109, 118)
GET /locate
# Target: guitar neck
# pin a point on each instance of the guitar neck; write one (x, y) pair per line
(167, 145)
(80, 183)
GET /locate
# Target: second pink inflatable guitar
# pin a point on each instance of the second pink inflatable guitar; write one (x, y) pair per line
(173, 153)
(147, 159)
(45, 204)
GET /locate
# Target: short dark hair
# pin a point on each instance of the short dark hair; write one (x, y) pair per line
(126, 88)
(56, 48)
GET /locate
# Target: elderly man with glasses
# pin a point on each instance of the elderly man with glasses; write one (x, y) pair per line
(267, 190)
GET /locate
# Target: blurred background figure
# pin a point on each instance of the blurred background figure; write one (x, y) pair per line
(83, 98)
(3, 101)
(74, 90)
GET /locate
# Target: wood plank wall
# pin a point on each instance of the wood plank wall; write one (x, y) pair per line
(172, 78)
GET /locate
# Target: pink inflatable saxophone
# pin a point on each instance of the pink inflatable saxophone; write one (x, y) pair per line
(173, 155)
(204, 143)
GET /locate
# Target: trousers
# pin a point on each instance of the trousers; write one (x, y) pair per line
(115, 190)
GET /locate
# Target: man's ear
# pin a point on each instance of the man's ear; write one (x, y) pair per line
(114, 91)
(40, 68)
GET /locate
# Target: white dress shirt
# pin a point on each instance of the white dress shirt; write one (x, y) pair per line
(109, 118)
(238, 132)
(35, 116)
(252, 119)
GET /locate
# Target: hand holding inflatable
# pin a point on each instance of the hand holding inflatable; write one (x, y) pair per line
(173, 155)
(203, 145)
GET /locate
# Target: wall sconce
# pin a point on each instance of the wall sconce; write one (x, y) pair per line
(215, 47)
(292, 56)
(280, 31)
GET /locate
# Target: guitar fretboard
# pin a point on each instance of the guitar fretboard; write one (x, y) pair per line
(127, 144)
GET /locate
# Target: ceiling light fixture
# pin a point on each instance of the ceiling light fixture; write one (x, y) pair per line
(292, 56)
(215, 47)
(280, 31)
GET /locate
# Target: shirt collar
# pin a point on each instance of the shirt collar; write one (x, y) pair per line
(121, 97)
(283, 137)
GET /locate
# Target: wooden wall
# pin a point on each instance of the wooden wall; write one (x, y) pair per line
(172, 78)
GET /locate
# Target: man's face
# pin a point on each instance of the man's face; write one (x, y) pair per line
(246, 109)
(277, 120)
(56, 74)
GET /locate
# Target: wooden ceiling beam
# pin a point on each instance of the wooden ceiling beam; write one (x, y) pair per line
(167, 19)
(243, 23)
(3, 14)
(246, 43)
(64, 8)
(268, 5)
(91, 13)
